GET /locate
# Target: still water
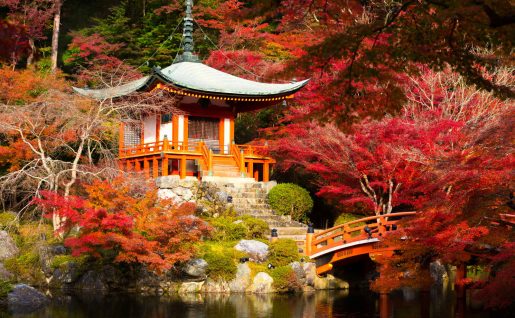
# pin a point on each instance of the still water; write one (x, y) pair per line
(354, 303)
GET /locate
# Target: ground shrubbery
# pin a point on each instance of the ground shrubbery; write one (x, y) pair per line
(229, 228)
(290, 199)
(348, 217)
(221, 258)
(283, 252)
(285, 279)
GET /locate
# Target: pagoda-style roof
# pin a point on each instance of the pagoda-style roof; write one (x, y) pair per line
(199, 78)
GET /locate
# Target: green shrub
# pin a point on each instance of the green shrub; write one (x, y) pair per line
(59, 261)
(5, 288)
(237, 228)
(282, 252)
(7, 220)
(227, 230)
(285, 279)
(256, 228)
(25, 267)
(290, 199)
(221, 258)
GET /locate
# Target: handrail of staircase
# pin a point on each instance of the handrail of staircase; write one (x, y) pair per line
(238, 157)
(207, 155)
(344, 233)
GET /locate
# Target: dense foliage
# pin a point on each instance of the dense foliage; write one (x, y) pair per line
(291, 199)
(114, 222)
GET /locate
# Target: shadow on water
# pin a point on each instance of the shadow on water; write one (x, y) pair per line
(356, 303)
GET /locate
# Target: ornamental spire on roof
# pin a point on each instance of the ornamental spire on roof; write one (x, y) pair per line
(187, 36)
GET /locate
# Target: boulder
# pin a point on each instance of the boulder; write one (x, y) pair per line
(195, 268)
(261, 284)
(46, 254)
(242, 280)
(8, 248)
(92, 281)
(310, 271)
(190, 287)
(65, 274)
(216, 286)
(256, 250)
(25, 299)
(298, 269)
(330, 282)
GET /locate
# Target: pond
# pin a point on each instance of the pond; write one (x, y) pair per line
(359, 303)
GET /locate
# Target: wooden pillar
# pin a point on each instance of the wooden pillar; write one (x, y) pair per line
(250, 168)
(164, 165)
(384, 305)
(182, 170)
(256, 175)
(146, 168)
(309, 240)
(137, 166)
(185, 133)
(155, 168)
(266, 172)
(221, 135)
(129, 166)
(175, 130)
(231, 131)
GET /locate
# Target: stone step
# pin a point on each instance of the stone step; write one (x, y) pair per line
(292, 230)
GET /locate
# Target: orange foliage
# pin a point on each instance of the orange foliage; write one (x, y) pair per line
(129, 224)
(24, 86)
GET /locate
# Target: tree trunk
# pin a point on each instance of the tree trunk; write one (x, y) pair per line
(55, 34)
(30, 58)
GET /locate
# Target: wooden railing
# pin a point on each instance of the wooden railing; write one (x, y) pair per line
(251, 150)
(207, 155)
(238, 157)
(154, 147)
(354, 231)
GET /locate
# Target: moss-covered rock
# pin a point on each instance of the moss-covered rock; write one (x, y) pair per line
(283, 252)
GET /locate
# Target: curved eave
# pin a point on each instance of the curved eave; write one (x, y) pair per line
(203, 79)
(199, 79)
(116, 91)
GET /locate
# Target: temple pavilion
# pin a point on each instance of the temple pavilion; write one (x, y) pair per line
(199, 139)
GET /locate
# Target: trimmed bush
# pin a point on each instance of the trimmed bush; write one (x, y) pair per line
(227, 230)
(285, 279)
(237, 228)
(283, 252)
(221, 258)
(256, 228)
(290, 199)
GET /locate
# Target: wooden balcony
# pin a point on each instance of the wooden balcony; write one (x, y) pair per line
(165, 158)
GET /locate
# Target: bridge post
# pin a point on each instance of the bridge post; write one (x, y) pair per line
(384, 305)
(459, 286)
(309, 239)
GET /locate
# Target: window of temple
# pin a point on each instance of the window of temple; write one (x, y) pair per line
(132, 134)
(205, 129)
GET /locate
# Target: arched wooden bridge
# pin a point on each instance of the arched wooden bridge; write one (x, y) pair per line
(352, 239)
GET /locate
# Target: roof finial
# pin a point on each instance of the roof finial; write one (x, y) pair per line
(187, 35)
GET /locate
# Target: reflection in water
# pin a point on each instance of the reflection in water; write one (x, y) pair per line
(438, 303)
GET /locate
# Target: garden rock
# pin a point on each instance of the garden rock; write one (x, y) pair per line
(216, 286)
(438, 272)
(261, 284)
(24, 299)
(92, 281)
(242, 280)
(299, 272)
(190, 287)
(195, 268)
(8, 248)
(330, 282)
(256, 250)
(311, 273)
